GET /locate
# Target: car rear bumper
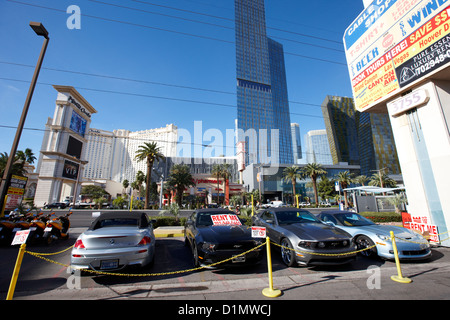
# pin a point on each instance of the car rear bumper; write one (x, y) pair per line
(111, 259)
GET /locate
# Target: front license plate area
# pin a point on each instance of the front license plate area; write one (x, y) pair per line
(109, 264)
(239, 259)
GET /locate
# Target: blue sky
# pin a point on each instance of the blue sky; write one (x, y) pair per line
(157, 56)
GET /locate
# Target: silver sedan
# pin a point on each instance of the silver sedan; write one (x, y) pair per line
(113, 241)
(304, 239)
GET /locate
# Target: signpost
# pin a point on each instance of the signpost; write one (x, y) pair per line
(258, 232)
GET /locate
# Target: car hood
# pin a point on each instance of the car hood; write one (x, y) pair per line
(386, 229)
(224, 234)
(316, 231)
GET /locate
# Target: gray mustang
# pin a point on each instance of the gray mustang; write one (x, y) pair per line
(304, 239)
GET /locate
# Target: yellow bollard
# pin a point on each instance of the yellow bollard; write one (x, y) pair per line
(399, 277)
(253, 207)
(12, 285)
(270, 292)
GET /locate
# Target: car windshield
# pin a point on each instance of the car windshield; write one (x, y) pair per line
(353, 220)
(116, 222)
(288, 217)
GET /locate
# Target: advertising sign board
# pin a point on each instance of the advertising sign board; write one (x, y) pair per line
(225, 220)
(393, 44)
(15, 192)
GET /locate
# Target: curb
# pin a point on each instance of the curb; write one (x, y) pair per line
(169, 232)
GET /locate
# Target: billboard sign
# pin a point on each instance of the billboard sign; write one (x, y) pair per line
(394, 43)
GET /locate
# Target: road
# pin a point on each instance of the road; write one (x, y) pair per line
(363, 279)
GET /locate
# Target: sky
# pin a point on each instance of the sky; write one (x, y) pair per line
(143, 64)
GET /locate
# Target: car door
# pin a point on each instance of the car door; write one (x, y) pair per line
(267, 219)
(189, 228)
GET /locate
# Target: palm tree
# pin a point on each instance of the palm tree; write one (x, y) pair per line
(361, 180)
(125, 184)
(140, 178)
(180, 176)
(226, 168)
(150, 152)
(17, 167)
(314, 170)
(382, 180)
(291, 174)
(344, 178)
(397, 201)
(217, 173)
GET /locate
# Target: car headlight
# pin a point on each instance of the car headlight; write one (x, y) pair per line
(305, 244)
(208, 246)
(383, 237)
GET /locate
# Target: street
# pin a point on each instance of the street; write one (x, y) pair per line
(362, 279)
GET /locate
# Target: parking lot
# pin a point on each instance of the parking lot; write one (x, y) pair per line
(362, 279)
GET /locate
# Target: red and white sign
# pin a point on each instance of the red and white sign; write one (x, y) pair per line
(20, 237)
(225, 220)
(422, 225)
(258, 232)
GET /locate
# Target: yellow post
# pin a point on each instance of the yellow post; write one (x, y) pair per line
(131, 204)
(12, 285)
(296, 196)
(270, 292)
(253, 207)
(399, 277)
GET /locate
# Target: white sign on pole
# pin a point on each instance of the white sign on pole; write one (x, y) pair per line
(20, 237)
(258, 232)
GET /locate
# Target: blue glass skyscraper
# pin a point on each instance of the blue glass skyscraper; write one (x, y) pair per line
(262, 97)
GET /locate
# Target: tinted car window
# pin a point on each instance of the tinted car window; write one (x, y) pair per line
(353, 219)
(286, 217)
(116, 222)
(266, 215)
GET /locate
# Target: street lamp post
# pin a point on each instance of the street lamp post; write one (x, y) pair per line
(40, 31)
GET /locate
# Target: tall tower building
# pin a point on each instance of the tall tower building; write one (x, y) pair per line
(262, 98)
(340, 123)
(317, 147)
(296, 142)
(359, 137)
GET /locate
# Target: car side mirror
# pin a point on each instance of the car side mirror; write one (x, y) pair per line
(270, 221)
(330, 223)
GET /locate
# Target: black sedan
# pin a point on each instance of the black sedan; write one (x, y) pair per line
(215, 235)
(57, 205)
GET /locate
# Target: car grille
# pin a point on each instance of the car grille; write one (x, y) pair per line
(327, 245)
(414, 252)
(239, 246)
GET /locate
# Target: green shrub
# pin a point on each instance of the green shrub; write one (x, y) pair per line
(163, 221)
(381, 217)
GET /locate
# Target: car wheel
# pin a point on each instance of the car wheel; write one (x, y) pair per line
(287, 253)
(363, 242)
(195, 259)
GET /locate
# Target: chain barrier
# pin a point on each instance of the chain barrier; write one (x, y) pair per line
(325, 254)
(42, 256)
